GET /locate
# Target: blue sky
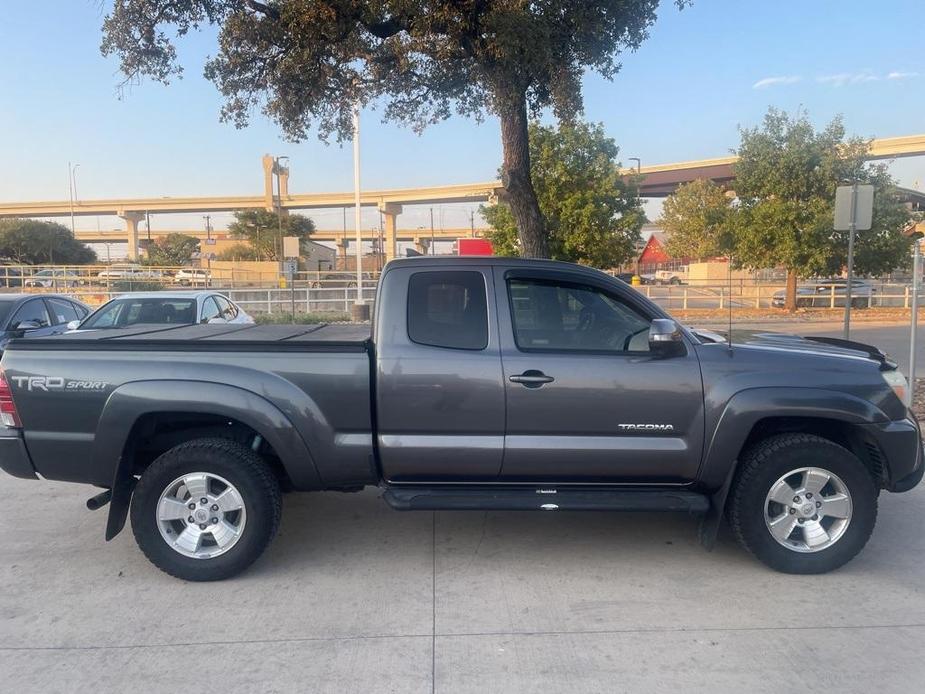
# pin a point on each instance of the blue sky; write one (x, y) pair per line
(703, 72)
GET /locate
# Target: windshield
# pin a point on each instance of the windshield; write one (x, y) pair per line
(122, 313)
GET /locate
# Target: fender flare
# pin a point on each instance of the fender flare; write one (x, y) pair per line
(128, 403)
(740, 415)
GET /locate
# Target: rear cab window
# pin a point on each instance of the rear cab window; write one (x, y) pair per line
(448, 309)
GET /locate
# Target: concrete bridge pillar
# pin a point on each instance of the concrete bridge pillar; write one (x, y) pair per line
(390, 211)
(131, 228)
(269, 196)
(422, 244)
(269, 190)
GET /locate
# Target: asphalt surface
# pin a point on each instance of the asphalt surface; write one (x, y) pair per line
(354, 597)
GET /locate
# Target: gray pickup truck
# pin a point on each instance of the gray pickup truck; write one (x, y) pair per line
(487, 383)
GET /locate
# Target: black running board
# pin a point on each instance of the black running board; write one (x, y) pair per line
(544, 499)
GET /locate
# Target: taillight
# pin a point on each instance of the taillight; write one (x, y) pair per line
(9, 417)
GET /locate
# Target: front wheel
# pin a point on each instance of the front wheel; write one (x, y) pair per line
(802, 504)
(206, 509)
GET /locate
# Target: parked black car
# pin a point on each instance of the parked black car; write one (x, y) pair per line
(37, 315)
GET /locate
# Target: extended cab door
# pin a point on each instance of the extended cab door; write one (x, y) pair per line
(586, 401)
(439, 390)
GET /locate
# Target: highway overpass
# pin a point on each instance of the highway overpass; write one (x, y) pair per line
(658, 180)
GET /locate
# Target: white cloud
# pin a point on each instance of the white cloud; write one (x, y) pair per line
(774, 81)
(897, 75)
(843, 78)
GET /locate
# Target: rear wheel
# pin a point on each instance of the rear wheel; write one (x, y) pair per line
(206, 509)
(802, 504)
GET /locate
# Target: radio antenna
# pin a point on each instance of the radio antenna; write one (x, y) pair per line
(729, 283)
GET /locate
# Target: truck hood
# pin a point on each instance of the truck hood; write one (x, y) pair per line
(825, 346)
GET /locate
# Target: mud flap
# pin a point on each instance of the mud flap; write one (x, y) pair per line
(122, 487)
(709, 524)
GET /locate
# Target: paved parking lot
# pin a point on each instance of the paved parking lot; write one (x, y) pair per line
(354, 597)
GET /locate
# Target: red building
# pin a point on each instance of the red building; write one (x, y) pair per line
(655, 255)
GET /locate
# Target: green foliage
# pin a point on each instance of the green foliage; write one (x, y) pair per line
(34, 242)
(786, 178)
(130, 285)
(698, 220)
(172, 249)
(239, 251)
(307, 63)
(261, 230)
(300, 318)
(592, 213)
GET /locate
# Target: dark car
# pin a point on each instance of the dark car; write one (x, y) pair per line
(32, 315)
(10, 276)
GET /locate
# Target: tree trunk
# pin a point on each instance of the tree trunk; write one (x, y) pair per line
(515, 174)
(790, 301)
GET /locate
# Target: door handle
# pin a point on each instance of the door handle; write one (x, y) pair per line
(531, 378)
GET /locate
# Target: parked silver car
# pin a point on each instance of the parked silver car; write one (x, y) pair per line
(828, 294)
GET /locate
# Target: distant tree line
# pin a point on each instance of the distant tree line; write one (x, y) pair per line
(37, 242)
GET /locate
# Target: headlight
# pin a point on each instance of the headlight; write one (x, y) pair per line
(895, 380)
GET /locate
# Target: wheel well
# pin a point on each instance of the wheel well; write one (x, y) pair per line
(157, 432)
(847, 435)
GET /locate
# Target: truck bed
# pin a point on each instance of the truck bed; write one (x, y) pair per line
(293, 383)
(319, 337)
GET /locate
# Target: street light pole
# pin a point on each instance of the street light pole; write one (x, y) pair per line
(916, 272)
(277, 168)
(356, 204)
(72, 189)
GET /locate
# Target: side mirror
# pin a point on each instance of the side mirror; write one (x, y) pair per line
(665, 338)
(25, 325)
(73, 325)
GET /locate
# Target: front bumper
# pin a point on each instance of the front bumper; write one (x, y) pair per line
(900, 444)
(14, 458)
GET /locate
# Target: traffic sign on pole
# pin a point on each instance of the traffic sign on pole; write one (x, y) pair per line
(854, 211)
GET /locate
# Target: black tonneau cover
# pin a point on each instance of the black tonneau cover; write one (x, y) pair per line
(318, 337)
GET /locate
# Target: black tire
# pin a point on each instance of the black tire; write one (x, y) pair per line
(772, 458)
(239, 465)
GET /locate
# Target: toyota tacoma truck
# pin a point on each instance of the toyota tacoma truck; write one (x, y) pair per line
(484, 384)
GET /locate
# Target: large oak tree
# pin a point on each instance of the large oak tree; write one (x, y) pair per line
(592, 211)
(307, 63)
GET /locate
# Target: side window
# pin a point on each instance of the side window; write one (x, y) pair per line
(62, 311)
(448, 309)
(209, 310)
(562, 316)
(31, 311)
(229, 312)
(81, 311)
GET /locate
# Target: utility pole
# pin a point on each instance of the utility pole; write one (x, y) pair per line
(148, 224)
(433, 251)
(72, 189)
(472, 223)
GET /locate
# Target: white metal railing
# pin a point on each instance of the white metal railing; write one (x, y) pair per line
(328, 292)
